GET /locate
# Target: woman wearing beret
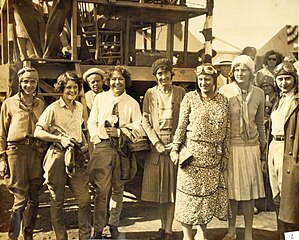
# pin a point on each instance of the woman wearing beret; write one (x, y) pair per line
(247, 143)
(283, 150)
(161, 108)
(203, 130)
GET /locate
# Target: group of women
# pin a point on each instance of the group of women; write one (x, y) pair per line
(211, 160)
(208, 149)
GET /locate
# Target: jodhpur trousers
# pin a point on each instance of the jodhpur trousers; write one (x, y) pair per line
(56, 180)
(24, 182)
(104, 169)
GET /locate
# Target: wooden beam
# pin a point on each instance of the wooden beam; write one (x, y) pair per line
(4, 33)
(153, 36)
(74, 36)
(170, 41)
(127, 40)
(186, 36)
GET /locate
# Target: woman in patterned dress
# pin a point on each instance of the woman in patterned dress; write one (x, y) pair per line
(203, 132)
(247, 143)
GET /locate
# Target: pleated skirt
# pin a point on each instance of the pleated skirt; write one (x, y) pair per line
(245, 177)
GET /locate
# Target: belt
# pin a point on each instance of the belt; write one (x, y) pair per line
(26, 141)
(278, 137)
(104, 140)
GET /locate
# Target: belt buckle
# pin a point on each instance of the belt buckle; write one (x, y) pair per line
(27, 141)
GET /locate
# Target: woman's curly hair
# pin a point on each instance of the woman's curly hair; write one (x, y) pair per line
(64, 78)
(123, 71)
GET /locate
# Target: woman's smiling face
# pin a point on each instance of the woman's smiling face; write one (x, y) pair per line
(71, 90)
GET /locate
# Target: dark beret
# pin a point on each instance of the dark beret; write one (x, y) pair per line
(162, 62)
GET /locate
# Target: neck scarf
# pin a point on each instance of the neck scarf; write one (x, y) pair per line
(32, 119)
(244, 115)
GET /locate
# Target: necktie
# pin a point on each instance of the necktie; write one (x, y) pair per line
(116, 113)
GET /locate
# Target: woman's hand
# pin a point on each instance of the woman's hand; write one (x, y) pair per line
(224, 162)
(66, 141)
(168, 147)
(174, 156)
(264, 165)
(3, 166)
(159, 147)
(112, 131)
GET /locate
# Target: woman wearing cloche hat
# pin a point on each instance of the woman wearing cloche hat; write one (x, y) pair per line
(247, 143)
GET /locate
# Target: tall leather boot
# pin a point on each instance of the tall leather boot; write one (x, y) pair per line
(14, 225)
(29, 222)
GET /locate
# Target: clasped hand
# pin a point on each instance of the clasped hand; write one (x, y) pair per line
(161, 148)
(66, 142)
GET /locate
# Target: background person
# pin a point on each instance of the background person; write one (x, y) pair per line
(268, 86)
(61, 124)
(161, 108)
(20, 162)
(95, 78)
(204, 130)
(247, 143)
(250, 52)
(111, 111)
(30, 23)
(283, 150)
(61, 11)
(271, 60)
(223, 63)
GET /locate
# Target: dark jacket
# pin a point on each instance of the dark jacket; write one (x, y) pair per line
(289, 203)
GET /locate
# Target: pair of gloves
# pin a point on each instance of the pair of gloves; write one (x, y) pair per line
(74, 155)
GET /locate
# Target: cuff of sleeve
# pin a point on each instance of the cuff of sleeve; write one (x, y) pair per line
(95, 140)
(2, 153)
(175, 147)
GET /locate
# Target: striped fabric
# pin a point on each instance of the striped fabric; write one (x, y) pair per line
(207, 32)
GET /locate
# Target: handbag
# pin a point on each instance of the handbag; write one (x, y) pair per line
(185, 156)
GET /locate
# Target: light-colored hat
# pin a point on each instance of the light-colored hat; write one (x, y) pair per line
(27, 72)
(244, 59)
(225, 59)
(93, 71)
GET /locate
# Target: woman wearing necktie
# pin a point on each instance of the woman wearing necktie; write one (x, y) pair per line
(283, 150)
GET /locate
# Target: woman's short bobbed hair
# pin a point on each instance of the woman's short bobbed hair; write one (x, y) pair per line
(64, 78)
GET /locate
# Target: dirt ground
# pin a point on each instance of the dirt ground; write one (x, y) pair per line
(139, 220)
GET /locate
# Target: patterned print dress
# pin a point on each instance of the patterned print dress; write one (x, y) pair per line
(204, 129)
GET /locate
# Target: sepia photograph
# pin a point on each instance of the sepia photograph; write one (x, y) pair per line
(149, 119)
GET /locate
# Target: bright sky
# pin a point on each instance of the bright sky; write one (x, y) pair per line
(248, 22)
